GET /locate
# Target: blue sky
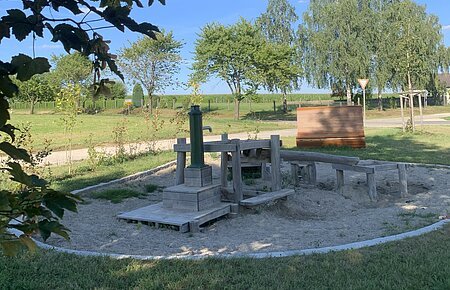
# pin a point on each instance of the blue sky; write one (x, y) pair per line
(185, 18)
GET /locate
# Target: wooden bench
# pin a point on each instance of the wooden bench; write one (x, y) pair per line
(330, 126)
(305, 171)
(370, 168)
(266, 197)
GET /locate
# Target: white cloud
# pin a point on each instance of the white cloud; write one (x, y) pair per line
(446, 27)
(50, 46)
(302, 1)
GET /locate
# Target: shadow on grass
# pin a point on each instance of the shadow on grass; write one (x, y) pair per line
(271, 116)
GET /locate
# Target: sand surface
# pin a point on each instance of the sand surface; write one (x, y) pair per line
(315, 216)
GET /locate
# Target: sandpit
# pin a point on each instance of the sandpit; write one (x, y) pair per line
(315, 216)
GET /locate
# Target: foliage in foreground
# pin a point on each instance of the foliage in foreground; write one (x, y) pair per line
(35, 207)
(418, 263)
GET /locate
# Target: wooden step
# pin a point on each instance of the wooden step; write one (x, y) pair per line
(266, 197)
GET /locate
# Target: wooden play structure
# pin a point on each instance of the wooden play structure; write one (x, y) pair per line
(330, 126)
(195, 200)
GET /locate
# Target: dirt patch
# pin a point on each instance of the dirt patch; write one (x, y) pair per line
(315, 216)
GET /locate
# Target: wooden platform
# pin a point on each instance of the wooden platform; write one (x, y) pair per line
(182, 220)
(266, 197)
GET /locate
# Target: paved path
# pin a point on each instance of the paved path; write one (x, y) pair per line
(59, 157)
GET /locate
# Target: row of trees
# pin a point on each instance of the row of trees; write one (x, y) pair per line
(72, 69)
(394, 43)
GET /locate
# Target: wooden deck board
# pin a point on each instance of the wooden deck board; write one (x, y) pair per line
(266, 197)
(156, 213)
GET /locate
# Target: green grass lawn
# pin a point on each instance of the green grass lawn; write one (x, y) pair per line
(431, 144)
(101, 127)
(418, 263)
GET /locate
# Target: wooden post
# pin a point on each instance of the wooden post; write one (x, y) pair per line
(420, 109)
(275, 159)
(181, 163)
(312, 170)
(294, 173)
(403, 116)
(372, 186)
(274, 107)
(403, 179)
(224, 164)
(340, 181)
(237, 174)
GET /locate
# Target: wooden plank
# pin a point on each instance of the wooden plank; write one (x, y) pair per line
(223, 164)
(266, 197)
(275, 158)
(158, 214)
(357, 142)
(289, 155)
(207, 147)
(312, 169)
(385, 167)
(181, 163)
(356, 168)
(236, 170)
(402, 176)
(254, 144)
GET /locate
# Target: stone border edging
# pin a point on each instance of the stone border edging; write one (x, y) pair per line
(258, 255)
(125, 178)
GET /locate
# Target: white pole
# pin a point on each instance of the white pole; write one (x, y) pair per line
(364, 107)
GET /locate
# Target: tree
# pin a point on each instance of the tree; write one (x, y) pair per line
(35, 207)
(333, 39)
(280, 70)
(229, 53)
(382, 69)
(152, 62)
(277, 22)
(138, 95)
(74, 68)
(37, 89)
(417, 37)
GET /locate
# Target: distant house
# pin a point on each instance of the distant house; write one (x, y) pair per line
(444, 79)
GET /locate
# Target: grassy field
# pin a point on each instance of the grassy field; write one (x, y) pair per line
(102, 126)
(419, 263)
(260, 117)
(429, 145)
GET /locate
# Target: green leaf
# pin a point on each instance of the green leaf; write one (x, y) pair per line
(17, 20)
(8, 88)
(8, 129)
(4, 201)
(11, 247)
(18, 174)
(47, 227)
(14, 152)
(28, 242)
(4, 31)
(4, 113)
(26, 67)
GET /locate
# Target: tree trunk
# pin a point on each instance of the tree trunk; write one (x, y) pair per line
(403, 117)
(236, 108)
(32, 103)
(411, 102)
(150, 97)
(380, 100)
(349, 95)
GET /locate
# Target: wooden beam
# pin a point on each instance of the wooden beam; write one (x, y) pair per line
(289, 155)
(275, 162)
(224, 164)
